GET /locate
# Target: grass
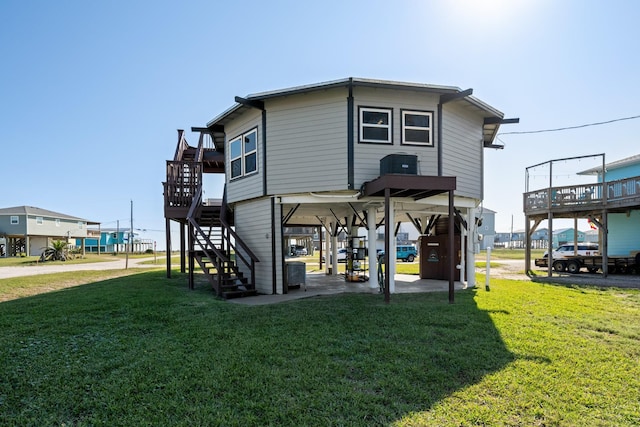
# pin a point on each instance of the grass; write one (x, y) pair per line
(143, 350)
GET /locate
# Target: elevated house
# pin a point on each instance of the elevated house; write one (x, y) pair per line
(342, 155)
(115, 240)
(28, 230)
(611, 202)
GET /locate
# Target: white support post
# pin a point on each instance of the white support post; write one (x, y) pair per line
(392, 247)
(334, 251)
(471, 249)
(373, 258)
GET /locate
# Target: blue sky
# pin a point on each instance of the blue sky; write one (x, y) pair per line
(91, 93)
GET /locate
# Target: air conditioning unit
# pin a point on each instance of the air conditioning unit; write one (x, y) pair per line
(399, 163)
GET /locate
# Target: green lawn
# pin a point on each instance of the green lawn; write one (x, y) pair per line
(143, 350)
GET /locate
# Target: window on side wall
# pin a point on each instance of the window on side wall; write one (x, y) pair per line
(39, 220)
(417, 127)
(244, 154)
(15, 219)
(375, 125)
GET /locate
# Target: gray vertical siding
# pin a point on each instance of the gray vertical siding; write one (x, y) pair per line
(307, 142)
(250, 186)
(254, 226)
(462, 148)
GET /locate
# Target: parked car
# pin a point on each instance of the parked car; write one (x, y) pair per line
(297, 250)
(406, 253)
(566, 251)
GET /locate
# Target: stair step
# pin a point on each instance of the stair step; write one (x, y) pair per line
(239, 293)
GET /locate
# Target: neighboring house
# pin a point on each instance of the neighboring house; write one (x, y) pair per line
(486, 228)
(611, 202)
(623, 183)
(114, 240)
(345, 155)
(28, 230)
(567, 235)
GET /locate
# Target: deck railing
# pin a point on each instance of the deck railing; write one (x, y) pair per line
(584, 196)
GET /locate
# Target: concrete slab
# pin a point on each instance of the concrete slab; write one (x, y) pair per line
(322, 284)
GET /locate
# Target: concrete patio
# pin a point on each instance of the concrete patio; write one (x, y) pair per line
(318, 283)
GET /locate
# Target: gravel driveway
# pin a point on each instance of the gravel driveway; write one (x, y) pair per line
(46, 268)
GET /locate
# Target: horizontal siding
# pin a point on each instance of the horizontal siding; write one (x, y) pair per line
(253, 225)
(250, 186)
(368, 156)
(624, 233)
(49, 228)
(462, 149)
(307, 142)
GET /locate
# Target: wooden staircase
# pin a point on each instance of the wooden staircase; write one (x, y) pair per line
(213, 243)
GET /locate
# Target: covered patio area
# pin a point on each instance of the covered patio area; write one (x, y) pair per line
(319, 283)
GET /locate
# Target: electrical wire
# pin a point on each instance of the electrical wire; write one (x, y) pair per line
(570, 127)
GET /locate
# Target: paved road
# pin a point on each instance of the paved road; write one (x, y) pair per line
(47, 268)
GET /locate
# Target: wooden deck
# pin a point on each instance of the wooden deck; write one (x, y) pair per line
(584, 199)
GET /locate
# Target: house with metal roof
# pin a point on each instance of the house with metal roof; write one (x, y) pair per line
(342, 156)
(28, 230)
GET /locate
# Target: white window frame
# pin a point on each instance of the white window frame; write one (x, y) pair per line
(57, 222)
(244, 154)
(362, 125)
(428, 129)
(39, 220)
(15, 220)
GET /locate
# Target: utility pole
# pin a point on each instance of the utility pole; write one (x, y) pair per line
(131, 234)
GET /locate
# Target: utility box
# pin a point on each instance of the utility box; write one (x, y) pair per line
(399, 163)
(296, 274)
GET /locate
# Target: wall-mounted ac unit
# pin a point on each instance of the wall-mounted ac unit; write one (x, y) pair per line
(399, 163)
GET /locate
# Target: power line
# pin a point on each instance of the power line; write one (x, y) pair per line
(570, 127)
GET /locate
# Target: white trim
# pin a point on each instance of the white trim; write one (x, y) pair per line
(388, 126)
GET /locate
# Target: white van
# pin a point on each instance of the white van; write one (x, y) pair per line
(567, 251)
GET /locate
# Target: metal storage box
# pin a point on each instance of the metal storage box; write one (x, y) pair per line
(296, 274)
(399, 163)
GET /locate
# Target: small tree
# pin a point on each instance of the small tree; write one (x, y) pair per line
(56, 252)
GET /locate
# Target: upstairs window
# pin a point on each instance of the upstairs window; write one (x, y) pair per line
(417, 128)
(39, 220)
(15, 219)
(375, 125)
(244, 154)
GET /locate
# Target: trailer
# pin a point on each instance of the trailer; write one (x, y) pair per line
(593, 264)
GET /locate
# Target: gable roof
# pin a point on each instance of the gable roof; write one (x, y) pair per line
(490, 127)
(34, 211)
(633, 160)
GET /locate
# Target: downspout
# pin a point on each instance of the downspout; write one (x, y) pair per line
(439, 133)
(350, 138)
(273, 245)
(264, 152)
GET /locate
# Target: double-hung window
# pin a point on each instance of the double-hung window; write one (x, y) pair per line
(375, 125)
(417, 127)
(244, 154)
(15, 219)
(39, 220)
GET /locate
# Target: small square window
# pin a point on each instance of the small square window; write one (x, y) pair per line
(375, 125)
(15, 219)
(39, 220)
(417, 128)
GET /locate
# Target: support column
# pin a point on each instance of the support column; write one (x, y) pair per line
(373, 258)
(471, 249)
(334, 249)
(168, 248)
(390, 256)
